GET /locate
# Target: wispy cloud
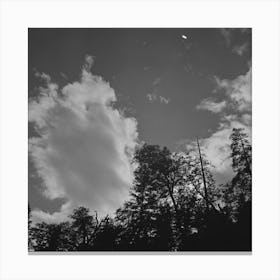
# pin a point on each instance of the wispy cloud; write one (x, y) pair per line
(236, 94)
(43, 76)
(156, 82)
(237, 91)
(227, 35)
(230, 35)
(85, 145)
(164, 99)
(240, 49)
(187, 67)
(212, 106)
(146, 68)
(234, 111)
(154, 96)
(89, 61)
(64, 76)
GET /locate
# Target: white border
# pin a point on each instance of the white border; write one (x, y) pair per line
(17, 16)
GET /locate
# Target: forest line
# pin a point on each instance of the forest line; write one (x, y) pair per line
(174, 205)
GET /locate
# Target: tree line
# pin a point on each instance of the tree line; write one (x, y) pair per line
(174, 205)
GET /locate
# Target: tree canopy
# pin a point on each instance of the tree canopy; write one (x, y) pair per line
(174, 205)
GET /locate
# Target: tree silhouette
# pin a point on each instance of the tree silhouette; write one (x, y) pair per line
(241, 151)
(83, 226)
(174, 204)
(238, 191)
(50, 237)
(30, 247)
(151, 190)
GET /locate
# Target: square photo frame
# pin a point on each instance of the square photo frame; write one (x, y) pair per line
(19, 16)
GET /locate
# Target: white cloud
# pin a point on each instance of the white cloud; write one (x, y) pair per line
(217, 148)
(238, 91)
(85, 146)
(235, 111)
(215, 107)
(56, 217)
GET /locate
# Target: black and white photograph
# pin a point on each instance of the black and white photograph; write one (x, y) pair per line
(139, 139)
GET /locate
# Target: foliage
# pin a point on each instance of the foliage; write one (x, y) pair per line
(170, 208)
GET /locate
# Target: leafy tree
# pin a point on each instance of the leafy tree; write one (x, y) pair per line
(241, 151)
(29, 229)
(150, 190)
(238, 191)
(50, 237)
(83, 226)
(105, 235)
(194, 181)
(159, 180)
(169, 208)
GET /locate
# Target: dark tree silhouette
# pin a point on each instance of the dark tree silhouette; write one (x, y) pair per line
(30, 247)
(152, 188)
(239, 190)
(241, 151)
(83, 226)
(50, 237)
(174, 204)
(105, 235)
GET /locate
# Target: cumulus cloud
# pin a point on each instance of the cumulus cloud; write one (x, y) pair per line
(235, 112)
(85, 145)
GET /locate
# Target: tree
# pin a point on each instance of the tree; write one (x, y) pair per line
(50, 237)
(241, 163)
(151, 189)
(241, 151)
(195, 181)
(237, 193)
(174, 205)
(83, 226)
(29, 229)
(105, 235)
(160, 179)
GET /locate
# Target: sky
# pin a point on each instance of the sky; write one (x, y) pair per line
(95, 94)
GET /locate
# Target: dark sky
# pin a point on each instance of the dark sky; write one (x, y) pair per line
(159, 76)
